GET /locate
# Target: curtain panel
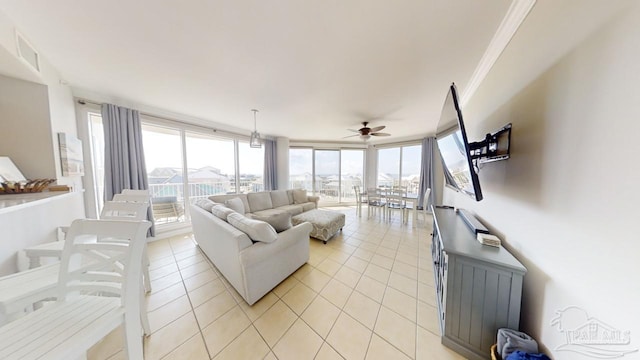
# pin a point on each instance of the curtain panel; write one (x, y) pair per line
(426, 173)
(124, 166)
(270, 175)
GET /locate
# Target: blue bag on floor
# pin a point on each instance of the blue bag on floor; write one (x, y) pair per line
(512, 340)
(519, 355)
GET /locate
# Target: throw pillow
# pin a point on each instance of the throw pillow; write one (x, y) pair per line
(235, 204)
(206, 204)
(221, 212)
(299, 196)
(280, 222)
(256, 229)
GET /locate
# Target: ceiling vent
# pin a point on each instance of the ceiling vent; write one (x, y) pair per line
(27, 53)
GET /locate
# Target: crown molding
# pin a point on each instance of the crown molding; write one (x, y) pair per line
(515, 16)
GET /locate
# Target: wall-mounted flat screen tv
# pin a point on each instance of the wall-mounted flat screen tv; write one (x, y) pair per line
(454, 149)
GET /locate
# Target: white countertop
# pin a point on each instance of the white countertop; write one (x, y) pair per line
(12, 202)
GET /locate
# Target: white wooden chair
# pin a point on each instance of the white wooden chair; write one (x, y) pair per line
(136, 192)
(131, 197)
(359, 201)
(396, 201)
(110, 211)
(22, 290)
(83, 315)
(425, 205)
(376, 200)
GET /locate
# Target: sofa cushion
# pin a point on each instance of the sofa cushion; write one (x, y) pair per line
(221, 212)
(291, 209)
(259, 201)
(222, 198)
(205, 204)
(308, 206)
(236, 205)
(299, 196)
(279, 198)
(290, 196)
(280, 222)
(256, 229)
(268, 212)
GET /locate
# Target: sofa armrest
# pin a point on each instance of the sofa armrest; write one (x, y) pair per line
(260, 251)
(313, 199)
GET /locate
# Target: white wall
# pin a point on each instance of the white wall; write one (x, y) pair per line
(26, 131)
(566, 203)
(56, 113)
(31, 115)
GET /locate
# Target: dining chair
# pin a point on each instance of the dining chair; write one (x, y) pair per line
(396, 201)
(425, 205)
(376, 200)
(31, 287)
(356, 189)
(97, 291)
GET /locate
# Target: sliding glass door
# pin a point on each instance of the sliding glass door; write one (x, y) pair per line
(164, 160)
(251, 165)
(330, 174)
(211, 165)
(351, 174)
(327, 175)
(301, 169)
(400, 166)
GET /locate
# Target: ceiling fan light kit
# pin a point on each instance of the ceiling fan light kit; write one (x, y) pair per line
(366, 132)
(255, 141)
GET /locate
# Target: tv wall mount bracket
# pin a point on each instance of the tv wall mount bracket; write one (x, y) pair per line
(494, 147)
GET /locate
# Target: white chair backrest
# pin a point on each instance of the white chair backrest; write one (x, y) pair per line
(136, 192)
(356, 189)
(131, 197)
(396, 196)
(119, 210)
(103, 267)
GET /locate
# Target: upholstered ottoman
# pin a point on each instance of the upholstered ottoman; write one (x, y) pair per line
(325, 223)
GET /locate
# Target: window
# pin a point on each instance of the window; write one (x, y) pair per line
(389, 167)
(334, 172)
(351, 173)
(301, 169)
(211, 164)
(251, 163)
(163, 157)
(327, 175)
(96, 134)
(400, 166)
(411, 167)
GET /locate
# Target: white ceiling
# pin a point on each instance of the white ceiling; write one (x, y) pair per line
(312, 68)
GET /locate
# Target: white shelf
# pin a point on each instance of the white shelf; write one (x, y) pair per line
(13, 202)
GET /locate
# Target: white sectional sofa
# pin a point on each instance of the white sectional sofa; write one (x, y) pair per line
(249, 253)
(268, 203)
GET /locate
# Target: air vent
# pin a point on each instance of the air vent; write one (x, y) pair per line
(27, 53)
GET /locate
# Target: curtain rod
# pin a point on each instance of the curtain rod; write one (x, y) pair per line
(84, 102)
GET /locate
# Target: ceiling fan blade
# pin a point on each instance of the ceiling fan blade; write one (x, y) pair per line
(351, 136)
(377, 128)
(353, 130)
(380, 134)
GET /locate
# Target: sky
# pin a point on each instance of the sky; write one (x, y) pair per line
(163, 149)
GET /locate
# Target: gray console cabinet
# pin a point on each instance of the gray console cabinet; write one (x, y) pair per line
(478, 287)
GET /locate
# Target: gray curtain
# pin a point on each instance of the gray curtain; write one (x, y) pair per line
(124, 166)
(427, 179)
(270, 165)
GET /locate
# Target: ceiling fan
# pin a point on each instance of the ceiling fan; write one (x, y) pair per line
(366, 132)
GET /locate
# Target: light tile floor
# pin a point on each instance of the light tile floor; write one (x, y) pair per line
(367, 294)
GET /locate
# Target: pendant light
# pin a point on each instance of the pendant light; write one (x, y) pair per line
(255, 141)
